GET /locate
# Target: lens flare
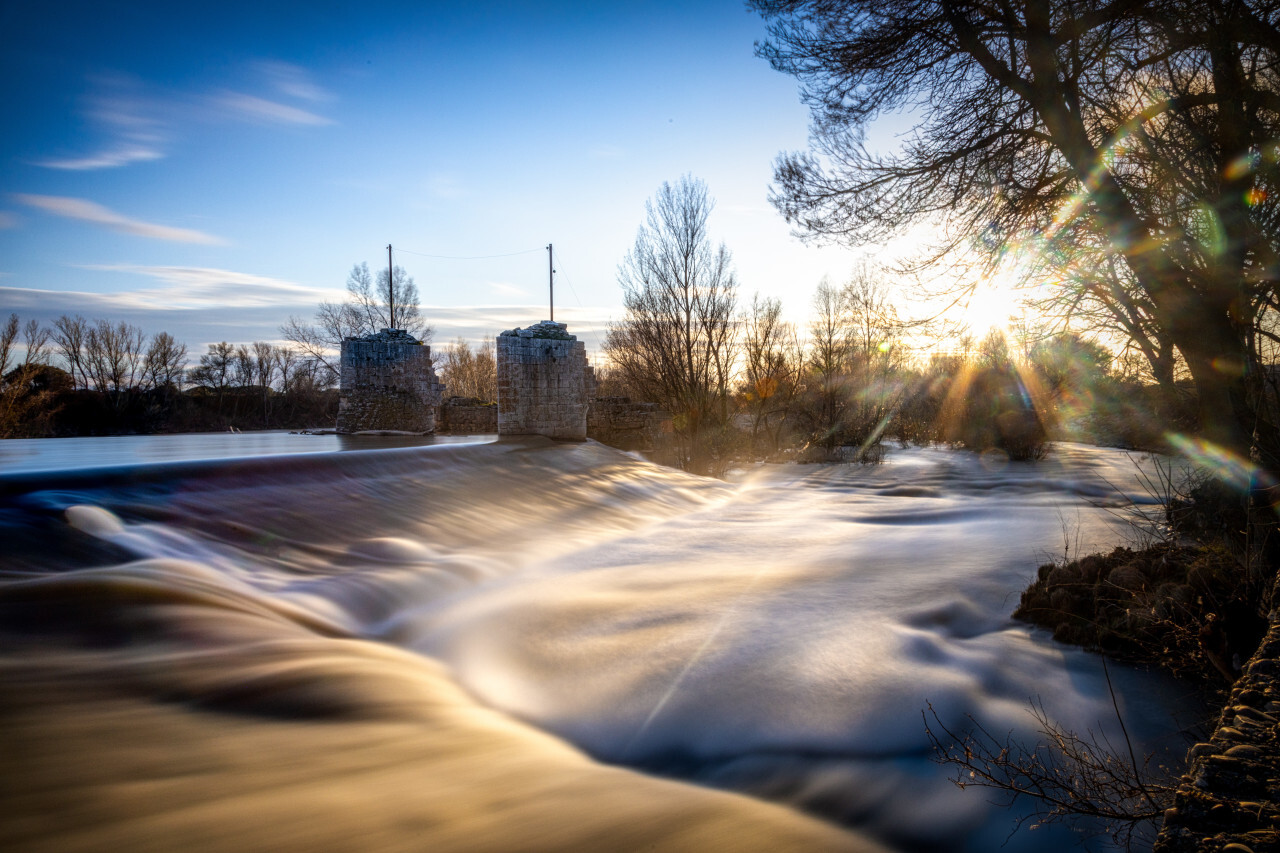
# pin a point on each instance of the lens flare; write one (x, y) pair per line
(1227, 466)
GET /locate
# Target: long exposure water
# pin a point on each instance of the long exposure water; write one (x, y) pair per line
(524, 645)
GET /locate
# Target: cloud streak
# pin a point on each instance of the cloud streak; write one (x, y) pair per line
(292, 81)
(94, 213)
(131, 122)
(110, 159)
(135, 122)
(253, 108)
(198, 305)
(190, 288)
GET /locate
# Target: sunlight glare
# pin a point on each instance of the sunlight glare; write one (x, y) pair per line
(993, 304)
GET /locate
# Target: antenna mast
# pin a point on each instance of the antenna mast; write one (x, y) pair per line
(551, 283)
(391, 290)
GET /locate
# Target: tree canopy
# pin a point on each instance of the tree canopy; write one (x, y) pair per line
(390, 302)
(1078, 130)
(676, 343)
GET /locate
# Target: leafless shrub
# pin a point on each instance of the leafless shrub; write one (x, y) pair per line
(676, 345)
(470, 373)
(1086, 781)
(8, 334)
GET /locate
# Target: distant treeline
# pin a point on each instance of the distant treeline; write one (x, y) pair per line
(743, 383)
(98, 377)
(846, 393)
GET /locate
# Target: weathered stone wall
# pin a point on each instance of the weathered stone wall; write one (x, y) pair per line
(544, 382)
(1229, 799)
(618, 422)
(467, 415)
(387, 384)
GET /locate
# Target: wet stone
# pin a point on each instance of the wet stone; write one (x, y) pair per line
(1228, 800)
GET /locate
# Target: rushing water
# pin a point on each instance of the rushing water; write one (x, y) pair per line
(62, 454)
(525, 645)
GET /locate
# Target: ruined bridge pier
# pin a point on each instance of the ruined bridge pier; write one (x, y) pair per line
(545, 387)
(545, 384)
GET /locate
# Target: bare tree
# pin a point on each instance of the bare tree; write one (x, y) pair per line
(773, 362)
(215, 370)
(1143, 123)
(165, 362)
(828, 361)
(873, 338)
(470, 373)
(373, 303)
(69, 333)
(676, 345)
(264, 372)
(243, 370)
(873, 329)
(8, 334)
(391, 303)
(35, 338)
(113, 357)
(287, 360)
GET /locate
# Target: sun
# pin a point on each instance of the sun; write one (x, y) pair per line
(994, 303)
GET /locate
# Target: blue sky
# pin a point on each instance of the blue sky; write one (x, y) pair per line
(211, 169)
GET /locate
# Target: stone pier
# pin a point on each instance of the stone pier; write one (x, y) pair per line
(388, 383)
(544, 382)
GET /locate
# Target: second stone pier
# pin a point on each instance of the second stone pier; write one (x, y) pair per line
(544, 382)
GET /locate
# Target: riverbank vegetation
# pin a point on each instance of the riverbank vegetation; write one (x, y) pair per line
(1120, 158)
(1126, 154)
(98, 377)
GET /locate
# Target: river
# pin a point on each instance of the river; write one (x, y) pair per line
(525, 645)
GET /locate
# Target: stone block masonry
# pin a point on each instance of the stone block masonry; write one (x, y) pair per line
(388, 383)
(544, 382)
(618, 422)
(467, 415)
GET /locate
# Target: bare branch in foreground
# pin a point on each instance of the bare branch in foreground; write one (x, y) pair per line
(1065, 777)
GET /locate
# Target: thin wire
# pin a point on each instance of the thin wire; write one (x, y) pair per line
(590, 328)
(470, 257)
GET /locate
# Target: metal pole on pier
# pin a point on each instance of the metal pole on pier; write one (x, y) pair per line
(391, 290)
(551, 282)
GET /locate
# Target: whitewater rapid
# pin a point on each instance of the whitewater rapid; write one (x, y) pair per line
(527, 645)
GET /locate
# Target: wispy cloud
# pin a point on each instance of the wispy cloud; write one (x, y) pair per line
(92, 212)
(201, 287)
(292, 81)
(478, 322)
(194, 323)
(201, 305)
(109, 159)
(503, 288)
(130, 121)
(254, 108)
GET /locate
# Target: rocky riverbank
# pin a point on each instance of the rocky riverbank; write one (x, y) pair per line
(1227, 800)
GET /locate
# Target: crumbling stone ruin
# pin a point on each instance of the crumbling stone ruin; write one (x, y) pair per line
(544, 382)
(618, 422)
(388, 383)
(467, 415)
